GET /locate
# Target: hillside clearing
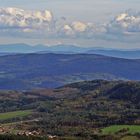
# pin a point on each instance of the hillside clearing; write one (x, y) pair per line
(116, 128)
(14, 114)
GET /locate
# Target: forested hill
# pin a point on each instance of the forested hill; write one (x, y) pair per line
(114, 90)
(28, 71)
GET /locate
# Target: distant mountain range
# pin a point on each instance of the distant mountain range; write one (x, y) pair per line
(68, 49)
(28, 71)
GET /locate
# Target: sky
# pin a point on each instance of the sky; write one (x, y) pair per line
(103, 23)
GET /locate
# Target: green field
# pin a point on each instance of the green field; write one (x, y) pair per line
(14, 114)
(130, 138)
(115, 128)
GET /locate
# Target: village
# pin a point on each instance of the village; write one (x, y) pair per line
(8, 130)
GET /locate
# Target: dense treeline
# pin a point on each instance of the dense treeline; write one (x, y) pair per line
(93, 137)
(16, 137)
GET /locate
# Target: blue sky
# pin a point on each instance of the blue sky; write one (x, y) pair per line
(78, 14)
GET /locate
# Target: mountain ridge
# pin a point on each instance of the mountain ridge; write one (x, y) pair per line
(69, 49)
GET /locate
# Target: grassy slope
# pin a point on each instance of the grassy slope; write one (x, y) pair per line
(115, 128)
(14, 114)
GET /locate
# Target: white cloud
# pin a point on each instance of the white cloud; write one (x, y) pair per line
(125, 23)
(79, 26)
(42, 24)
(24, 20)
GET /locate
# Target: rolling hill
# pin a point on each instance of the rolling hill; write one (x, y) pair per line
(28, 71)
(89, 110)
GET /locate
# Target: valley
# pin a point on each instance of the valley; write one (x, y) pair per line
(96, 109)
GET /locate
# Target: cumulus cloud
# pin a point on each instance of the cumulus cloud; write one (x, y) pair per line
(77, 29)
(125, 23)
(21, 22)
(24, 21)
(15, 17)
(37, 23)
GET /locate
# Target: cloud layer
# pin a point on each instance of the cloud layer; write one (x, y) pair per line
(27, 23)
